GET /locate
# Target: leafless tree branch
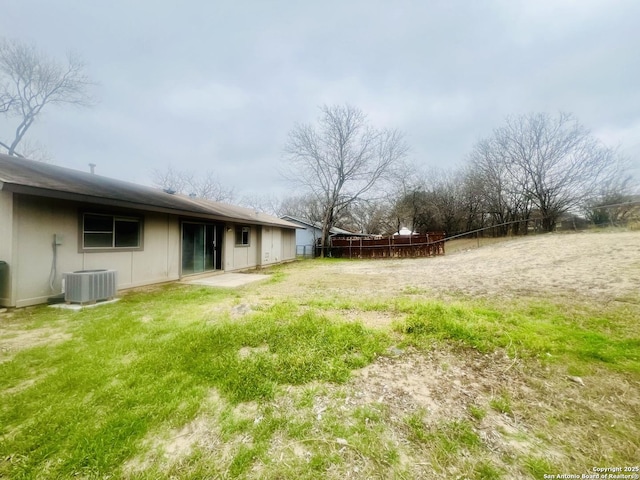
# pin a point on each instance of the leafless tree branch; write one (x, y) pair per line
(537, 160)
(29, 81)
(201, 185)
(341, 159)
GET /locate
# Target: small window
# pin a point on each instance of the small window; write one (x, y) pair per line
(242, 235)
(127, 232)
(108, 231)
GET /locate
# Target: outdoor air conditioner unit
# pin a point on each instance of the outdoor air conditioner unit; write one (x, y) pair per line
(85, 286)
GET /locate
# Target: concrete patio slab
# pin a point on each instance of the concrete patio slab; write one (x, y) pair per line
(230, 280)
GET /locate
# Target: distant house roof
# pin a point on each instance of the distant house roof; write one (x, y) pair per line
(318, 226)
(29, 177)
(404, 231)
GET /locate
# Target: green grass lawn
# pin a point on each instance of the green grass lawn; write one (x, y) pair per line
(266, 395)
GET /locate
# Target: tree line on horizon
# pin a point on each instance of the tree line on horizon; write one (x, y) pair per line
(532, 170)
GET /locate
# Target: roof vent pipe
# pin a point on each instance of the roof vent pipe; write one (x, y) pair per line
(92, 168)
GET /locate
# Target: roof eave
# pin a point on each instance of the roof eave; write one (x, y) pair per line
(76, 197)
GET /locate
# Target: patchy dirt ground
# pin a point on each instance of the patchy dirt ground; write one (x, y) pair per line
(441, 386)
(511, 405)
(13, 339)
(597, 267)
(586, 268)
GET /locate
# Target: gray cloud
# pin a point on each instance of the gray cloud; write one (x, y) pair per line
(217, 85)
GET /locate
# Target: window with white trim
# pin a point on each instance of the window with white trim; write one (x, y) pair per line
(101, 231)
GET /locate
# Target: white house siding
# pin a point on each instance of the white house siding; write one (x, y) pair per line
(36, 220)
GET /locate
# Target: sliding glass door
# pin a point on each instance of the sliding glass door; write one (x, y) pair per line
(200, 247)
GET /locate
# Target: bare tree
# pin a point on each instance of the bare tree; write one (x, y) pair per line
(554, 160)
(447, 195)
(266, 203)
(613, 203)
(416, 210)
(34, 150)
(202, 185)
(29, 81)
(502, 188)
(341, 159)
(473, 202)
(369, 216)
(405, 197)
(303, 207)
(6, 100)
(437, 200)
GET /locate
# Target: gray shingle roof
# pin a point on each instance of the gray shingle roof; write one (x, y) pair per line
(29, 177)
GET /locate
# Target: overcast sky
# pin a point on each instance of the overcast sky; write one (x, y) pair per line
(217, 85)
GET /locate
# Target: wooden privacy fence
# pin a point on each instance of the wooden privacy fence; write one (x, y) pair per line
(425, 245)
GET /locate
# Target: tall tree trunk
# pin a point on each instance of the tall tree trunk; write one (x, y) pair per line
(327, 220)
(549, 223)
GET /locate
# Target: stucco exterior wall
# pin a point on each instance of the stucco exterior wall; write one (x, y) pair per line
(36, 220)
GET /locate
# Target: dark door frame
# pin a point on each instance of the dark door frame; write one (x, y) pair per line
(211, 242)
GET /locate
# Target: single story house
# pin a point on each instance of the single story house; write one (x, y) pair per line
(309, 232)
(55, 220)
